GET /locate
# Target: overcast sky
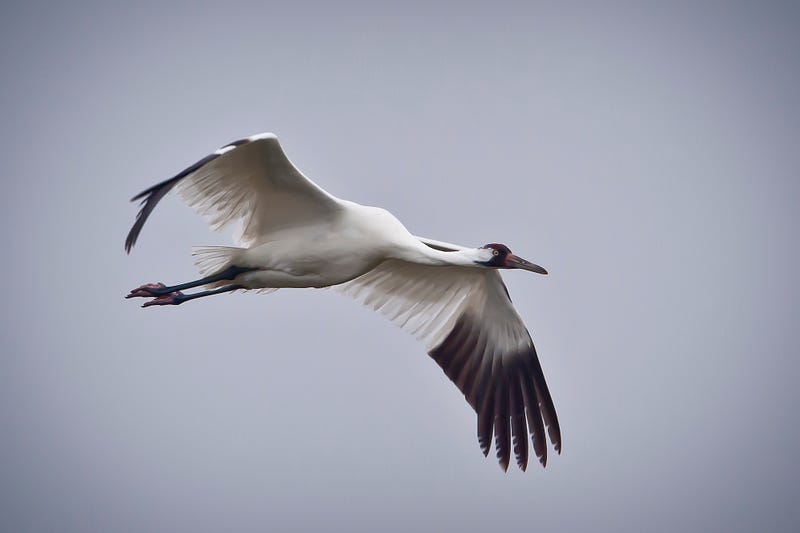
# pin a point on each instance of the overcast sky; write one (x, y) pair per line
(646, 154)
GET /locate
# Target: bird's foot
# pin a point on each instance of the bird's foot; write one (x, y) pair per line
(149, 290)
(172, 298)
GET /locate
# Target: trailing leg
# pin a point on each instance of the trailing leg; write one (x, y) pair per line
(177, 297)
(152, 290)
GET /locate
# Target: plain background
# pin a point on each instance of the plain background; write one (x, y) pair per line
(645, 153)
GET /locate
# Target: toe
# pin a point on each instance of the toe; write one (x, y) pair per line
(173, 298)
(148, 290)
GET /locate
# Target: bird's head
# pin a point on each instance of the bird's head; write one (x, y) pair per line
(499, 256)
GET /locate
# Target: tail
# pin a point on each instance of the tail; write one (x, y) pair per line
(213, 259)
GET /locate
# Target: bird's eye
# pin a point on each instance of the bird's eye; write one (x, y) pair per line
(495, 252)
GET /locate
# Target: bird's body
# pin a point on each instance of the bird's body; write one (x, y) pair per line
(294, 234)
(352, 242)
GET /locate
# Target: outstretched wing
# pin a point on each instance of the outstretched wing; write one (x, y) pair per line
(250, 180)
(470, 328)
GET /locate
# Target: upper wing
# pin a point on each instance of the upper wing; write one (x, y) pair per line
(250, 180)
(471, 329)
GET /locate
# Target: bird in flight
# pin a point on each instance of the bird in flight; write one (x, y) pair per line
(292, 233)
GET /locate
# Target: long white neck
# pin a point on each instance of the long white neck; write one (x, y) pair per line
(418, 252)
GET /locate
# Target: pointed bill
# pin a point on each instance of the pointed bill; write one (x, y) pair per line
(513, 261)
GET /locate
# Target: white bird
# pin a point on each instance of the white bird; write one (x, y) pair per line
(451, 297)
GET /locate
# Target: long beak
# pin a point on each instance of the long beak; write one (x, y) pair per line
(512, 261)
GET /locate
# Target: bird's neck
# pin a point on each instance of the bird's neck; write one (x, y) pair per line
(426, 255)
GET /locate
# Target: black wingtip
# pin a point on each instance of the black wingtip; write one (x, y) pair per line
(520, 454)
(140, 196)
(129, 242)
(509, 394)
(485, 446)
(151, 196)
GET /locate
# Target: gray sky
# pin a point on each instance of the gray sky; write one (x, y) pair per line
(646, 155)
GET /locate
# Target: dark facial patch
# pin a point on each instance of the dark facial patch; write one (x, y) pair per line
(499, 247)
(499, 254)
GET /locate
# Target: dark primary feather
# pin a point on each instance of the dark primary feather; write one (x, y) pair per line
(519, 433)
(508, 392)
(150, 197)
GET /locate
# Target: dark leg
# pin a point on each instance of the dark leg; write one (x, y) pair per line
(177, 297)
(159, 289)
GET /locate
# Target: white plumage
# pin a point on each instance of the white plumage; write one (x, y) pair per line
(294, 234)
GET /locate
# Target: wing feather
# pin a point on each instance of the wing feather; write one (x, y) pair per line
(519, 428)
(502, 430)
(250, 181)
(470, 328)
